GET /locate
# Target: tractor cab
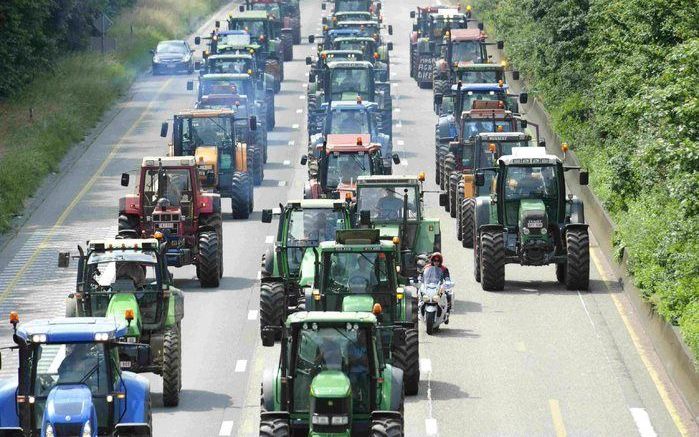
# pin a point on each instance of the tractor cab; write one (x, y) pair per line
(463, 97)
(353, 6)
(326, 56)
(226, 84)
(262, 28)
(394, 206)
(331, 379)
(225, 41)
(337, 17)
(286, 12)
(487, 148)
(371, 51)
(230, 63)
(461, 47)
(272, 8)
(349, 80)
(69, 380)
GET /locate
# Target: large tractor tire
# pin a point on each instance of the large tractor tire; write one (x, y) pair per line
(274, 428)
(288, 47)
(172, 367)
(261, 142)
(258, 167)
(468, 210)
(209, 259)
(453, 184)
(476, 262)
(441, 86)
(492, 260)
(240, 195)
(407, 358)
(577, 267)
(214, 222)
(272, 305)
(448, 167)
(271, 118)
(386, 427)
(267, 263)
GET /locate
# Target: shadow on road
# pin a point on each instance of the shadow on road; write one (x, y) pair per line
(193, 400)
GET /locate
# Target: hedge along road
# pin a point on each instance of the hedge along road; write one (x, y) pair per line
(532, 360)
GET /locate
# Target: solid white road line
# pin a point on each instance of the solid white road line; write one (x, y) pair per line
(269, 239)
(226, 428)
(404, 162)
(252, 314)
(642, 419)
(241, 365)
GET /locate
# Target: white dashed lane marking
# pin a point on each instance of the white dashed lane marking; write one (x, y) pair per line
(252, 314)
(282, 183)
(295, 126)
(226, 428)
(287, 162)
(241, 365)
(299, 111)
(292, 142)
(269, 239)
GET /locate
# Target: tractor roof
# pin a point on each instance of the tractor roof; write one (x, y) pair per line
(225, 76)
(169, 161)
(248, 15)
(388, 180)
(466, 35)
(351, 64)
(529, 155)
(344, 55)
(481, 67)
(353, 38)
(331, 318)
(351, 105)
(498, 114)
(237, 55)
(316, 203)
(205, 113)
(232, 32)
(135, 244)
(72, 330)
(448, 13)
(352, 142)
(359, 246)
(481, 87)
(348, 23)
(352, 13)
(504, 136)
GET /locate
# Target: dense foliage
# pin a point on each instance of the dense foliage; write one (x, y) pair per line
(619, 78)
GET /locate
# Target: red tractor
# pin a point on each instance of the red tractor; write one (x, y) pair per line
(171, 205)
(335, 166)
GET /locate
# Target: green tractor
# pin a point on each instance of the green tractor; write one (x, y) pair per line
(359, 270)
(394, 205)
(288, 267)
(331, 379)
(267, 33)
(128, 279)
(529, 220)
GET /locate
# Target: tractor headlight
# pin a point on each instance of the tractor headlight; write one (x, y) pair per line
(425, 298)
(49, 430)
(543, 231)
(87, 430)
(320, 420)
(435, 298)
(525, 231)
(340, 420)
(39, 338)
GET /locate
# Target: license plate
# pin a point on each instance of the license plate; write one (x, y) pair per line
(125, 364)
(172, 66)
(167, 225)
(535, 224)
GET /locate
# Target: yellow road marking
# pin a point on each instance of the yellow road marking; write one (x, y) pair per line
(66, 212)
(557, 418)
(654, 376)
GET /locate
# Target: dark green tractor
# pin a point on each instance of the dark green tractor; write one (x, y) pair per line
(530, 220)
(128, 280)
(289, 267)
(331, 379)
(359, 270)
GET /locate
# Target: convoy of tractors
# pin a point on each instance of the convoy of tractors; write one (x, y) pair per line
(344, 288)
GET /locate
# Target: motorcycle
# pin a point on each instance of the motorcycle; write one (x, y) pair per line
(433, 303)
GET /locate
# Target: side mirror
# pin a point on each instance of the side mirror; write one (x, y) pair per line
(63, 260)
(323, 6)
(584, 177)
(190, 85)
(311, 39)
(365, 217)
(479, 179)
(134, 356)
(389, 46)
(414, 27)
(312, 77)
(304, 159)
(197, 65)
(197, 40)
(480, 26)
(500, 45)
(523, 124)
(266, 216)
(241, 8)
(252, 121)
(412, 14)
(396, 159)
(542, 143)
(267, 337)
(309, 61)
(443, 199)
(390, 29)
(217, 23)
(523, 98)
(324, 20)
(515, 74)
(152, 52)
(124, 179)
(438, 99)
(163, 129)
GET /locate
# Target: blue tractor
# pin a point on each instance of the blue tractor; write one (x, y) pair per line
(70, 382)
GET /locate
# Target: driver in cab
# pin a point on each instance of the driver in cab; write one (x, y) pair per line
(389, 207)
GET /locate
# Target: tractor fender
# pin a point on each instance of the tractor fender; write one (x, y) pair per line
(574, 226)
(241, 157)
(482, 212)
(576, 211)
(209, 203)
(267, 264)
(396, 394)
(312, 190)
(204, 225)
(269, 389)
(446, 129)
(410, 298)
(8, 404)
(130, 204)
(138, 404)
(175, 308)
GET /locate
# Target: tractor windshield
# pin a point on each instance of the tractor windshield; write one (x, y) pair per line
(352, 5)
(70, 366)
(205, 131)
(480, 76)
(387, 203)
(343, 349)
(345, 168)
(356, 273)
(233, 39)
(309, 227)
(469, 97)
(271, 8)
(530, 182)
(351, 45)
(349, 122)
(225, 86)
(255, 28)
(488, 152)
(171, 184)
(472, 127)
(348, 83)
(466, 51)
(229, 65)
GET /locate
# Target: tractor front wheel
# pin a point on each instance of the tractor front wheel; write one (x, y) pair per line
(274, 428)
(453, 182)
(172, 365)
(386, 428)
(407, 358)
(209, 259)
(240, 195)
(258, 168)
(492, 260)
(271, 119)
(272, 305)
(577, 267)
(468, 209)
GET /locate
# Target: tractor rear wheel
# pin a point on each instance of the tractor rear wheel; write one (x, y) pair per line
(453, 182)
(288, 47)
(213, 221)
(209, 259)
(272, 305)
(492, 260)
(577, 267)
(271, 119)
(274, 428)
(240, 195)
(258, 168)
(407, 358)
(386, 427)
(441, 86)
(459, 201)
(172, 365)
(468, 209)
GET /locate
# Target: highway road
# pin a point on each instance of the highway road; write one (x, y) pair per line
(534, 359)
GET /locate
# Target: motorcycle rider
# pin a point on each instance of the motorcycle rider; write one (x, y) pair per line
(436, 272)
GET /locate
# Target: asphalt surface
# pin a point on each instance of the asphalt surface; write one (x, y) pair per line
(534, 359)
